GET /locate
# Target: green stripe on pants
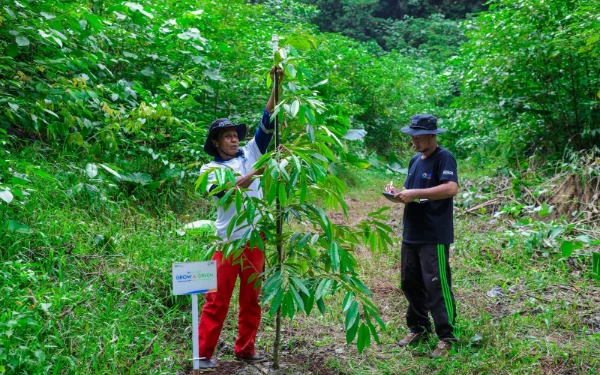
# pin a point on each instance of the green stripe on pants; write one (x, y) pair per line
(445, 286)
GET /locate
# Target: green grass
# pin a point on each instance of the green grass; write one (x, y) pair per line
(85, 288)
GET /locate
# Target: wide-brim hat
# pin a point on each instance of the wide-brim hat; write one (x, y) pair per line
(422, 124)
(215, 128)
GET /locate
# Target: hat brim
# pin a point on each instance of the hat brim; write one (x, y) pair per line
(209, 148)
(410, 131)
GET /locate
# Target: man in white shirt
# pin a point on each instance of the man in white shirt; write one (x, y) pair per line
(222, 142)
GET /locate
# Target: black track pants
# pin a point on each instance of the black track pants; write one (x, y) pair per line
(426, 283)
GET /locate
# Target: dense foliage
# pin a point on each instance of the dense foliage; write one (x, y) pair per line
(396, 24)
(530, 80)
(104, 107)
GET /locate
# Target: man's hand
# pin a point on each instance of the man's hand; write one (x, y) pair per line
(280, 74)
(406, 196)
(271, 102)
(390, 189)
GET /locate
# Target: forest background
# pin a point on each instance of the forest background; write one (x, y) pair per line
(104, 107)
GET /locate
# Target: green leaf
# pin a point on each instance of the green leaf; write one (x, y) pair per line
(276, 302)
(22, 41)
(566, 248)
(291, 70)
(47, 16)
(373, 331)
(238, 200)
(321, 306)
(351, 315)
(356, 161)
(395, 165)
(95, 22)
(363, 288)
(379, 211)
(297, 298)
(309, 301)
(15, 180)
(6, 196)
(111, 171)
(288, 305)
(355, 134)
(294, 108)
(348, 299)
(311, 130)
(15, 226)
(250, 211)
(596, 266)
(325, 224)
(272, 287)
(546, 209)
(303, 188)
(555, 232)
(335, 256)
(12, 50)
(323, 288)
(300, 285)
(43, 174)
(202, 182)
(375, 316)
(584, 238)
(214, 74)
(137, 178)
(282, 194)
(351, 333)
(364, 338)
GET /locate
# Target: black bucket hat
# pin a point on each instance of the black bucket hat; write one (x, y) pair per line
(422, 124)
(215, 127)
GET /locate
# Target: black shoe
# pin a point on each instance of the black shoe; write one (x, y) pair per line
(255, 358)
(207, 365)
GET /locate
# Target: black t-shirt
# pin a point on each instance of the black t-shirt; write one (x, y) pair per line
(430, 222)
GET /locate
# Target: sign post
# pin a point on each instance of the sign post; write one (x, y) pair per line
(195, 278)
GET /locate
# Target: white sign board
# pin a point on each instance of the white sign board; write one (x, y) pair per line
(194, 277)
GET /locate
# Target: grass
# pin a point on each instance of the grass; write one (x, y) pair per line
(85, 288)
(85, 283)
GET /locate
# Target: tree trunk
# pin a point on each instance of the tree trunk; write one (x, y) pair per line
(277, 343)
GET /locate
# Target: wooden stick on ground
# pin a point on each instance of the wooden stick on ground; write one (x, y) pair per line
(484, 204)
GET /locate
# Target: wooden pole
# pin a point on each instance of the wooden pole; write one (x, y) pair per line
(279, 213)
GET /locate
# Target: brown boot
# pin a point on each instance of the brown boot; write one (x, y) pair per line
(442, 349)
(413, 338)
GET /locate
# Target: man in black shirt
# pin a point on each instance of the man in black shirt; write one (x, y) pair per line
(427, 234)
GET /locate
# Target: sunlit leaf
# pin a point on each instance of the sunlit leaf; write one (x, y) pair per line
(351, 315)
(6, 195)
(22, 41)
(355, 134)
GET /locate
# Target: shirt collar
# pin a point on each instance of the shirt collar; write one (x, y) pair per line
(219, 159)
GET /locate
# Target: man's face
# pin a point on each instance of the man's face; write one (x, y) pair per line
(227, 142)
(423, 143)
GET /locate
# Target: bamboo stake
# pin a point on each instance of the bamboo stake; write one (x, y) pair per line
(279, 214)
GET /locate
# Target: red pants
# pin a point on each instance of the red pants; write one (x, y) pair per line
(217, 303)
